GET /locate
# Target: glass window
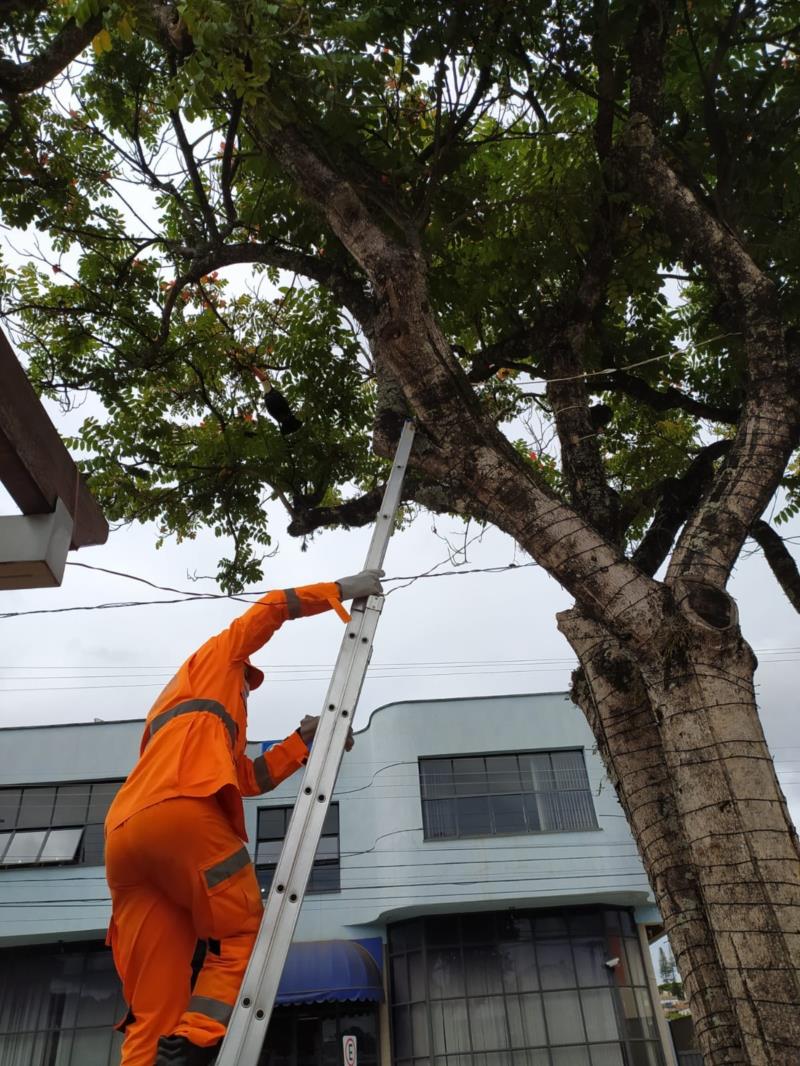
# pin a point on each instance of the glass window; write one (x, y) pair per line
(477, 992)
(92, 852)
(473, 816)
(555, 964)
(9, 806)
(508, 813)
(4, 839)
(61, 845)
(476, 795)
(36, 809)
(71, 805)
(469, 777)
(437, 778)
(24, 847)
(103, 792)
(440, 819)
(272, 824)
(502, 772)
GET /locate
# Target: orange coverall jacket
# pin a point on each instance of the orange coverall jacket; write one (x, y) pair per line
(202, 751)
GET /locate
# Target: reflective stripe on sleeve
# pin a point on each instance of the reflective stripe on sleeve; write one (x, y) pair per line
(191, 707)
(212, 1008)
(263, 778)
(293, 604)
(215, 875)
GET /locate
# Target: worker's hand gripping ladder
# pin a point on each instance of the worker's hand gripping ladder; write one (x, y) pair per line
(251, 1014)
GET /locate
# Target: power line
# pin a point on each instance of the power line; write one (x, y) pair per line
(192, 597)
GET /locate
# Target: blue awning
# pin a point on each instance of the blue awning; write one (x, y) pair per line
(332, 971)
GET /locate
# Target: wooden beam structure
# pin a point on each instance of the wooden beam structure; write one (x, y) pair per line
(35, 466)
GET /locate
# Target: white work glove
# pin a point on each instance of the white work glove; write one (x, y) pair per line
(308, 729)
(367, 583)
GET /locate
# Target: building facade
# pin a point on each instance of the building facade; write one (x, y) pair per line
(476, 899)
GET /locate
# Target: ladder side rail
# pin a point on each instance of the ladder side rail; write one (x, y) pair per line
(250, 1018)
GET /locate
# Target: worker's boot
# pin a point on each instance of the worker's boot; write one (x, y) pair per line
(178, 1051)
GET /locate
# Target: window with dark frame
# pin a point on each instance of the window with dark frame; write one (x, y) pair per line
(271, 832)
(494, 795)
(51, 825)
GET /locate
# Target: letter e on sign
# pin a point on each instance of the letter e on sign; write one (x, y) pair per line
(349, 1051)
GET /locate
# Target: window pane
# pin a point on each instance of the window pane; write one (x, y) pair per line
(61, 845)
(550, 925)
(635, 966)
(473, 816)
(100, 799)
(555, 964)
(437, 778)
(24, 847)
(536, 772)
(645, 1012)
(470, 777)
(268, 851)
(569, 769)
(570, 1056)
(401, 1030)
(442, 930)
(606, 1055)
(36, 808)
(271, 823)
(478, 927)
(416, 976)
(645, 1055)
(4, 839)
(598, 1014)
(531, 1058)
(445, 973)
(518, 964)
(450, 1026)
(487, 1021)
(509, 814)
(482, 966)
(93, 849)
(636, 1027)
(419, 1029)
(328, 848)
(586, 923)
(531, 804)
(590, 962)
(400, 992)
(331, 824)
(526, 1021)
(502, 772)
(563, 1015)
(324, 878)
(9, 805)
(264, 875)
(440, 819)
(72, 802)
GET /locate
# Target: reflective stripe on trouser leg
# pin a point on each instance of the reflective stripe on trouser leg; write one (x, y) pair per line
(234, 905)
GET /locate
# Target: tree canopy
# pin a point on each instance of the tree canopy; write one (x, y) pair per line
(481, 135)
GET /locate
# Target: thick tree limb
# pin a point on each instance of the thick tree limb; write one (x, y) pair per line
(68, 43)
(679, 497)
(780, 560)
(769, 428)
(669, 399)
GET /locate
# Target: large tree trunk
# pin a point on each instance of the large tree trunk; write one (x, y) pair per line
(681, 738)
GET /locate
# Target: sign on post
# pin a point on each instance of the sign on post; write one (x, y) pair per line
(349, 1051)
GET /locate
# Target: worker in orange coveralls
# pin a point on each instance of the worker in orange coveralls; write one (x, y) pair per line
(176, 863)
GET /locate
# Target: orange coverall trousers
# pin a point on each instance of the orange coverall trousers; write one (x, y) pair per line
(179, 873)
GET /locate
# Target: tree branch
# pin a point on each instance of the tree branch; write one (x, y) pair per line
(780, 560)
(769, 428)
(679, 497)
(668, 399)
(68, 43)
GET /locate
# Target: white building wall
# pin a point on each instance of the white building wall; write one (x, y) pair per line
(388, 871)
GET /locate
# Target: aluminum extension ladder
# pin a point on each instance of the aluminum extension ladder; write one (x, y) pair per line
(251, 1013)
